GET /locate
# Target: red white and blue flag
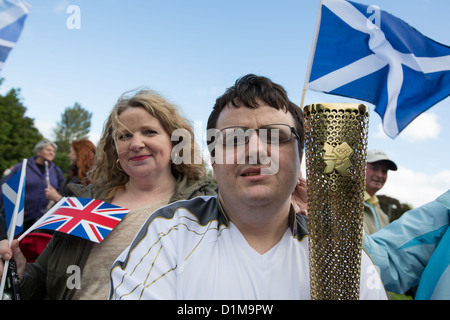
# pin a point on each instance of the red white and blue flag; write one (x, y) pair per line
(90, 219)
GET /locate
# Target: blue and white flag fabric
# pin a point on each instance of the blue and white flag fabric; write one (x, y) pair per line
(365, 53)
(10, 190)
(12, 18)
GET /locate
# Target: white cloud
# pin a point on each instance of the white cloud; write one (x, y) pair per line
(61, 6)
(424, 127)
(46, 128)
(415, 188)
(94, 137)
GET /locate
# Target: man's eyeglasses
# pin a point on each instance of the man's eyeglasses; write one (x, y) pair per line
(269, 134)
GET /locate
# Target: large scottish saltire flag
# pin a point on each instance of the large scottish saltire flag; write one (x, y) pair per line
(12, 18)
(90, 219)
(11, 190)
(366, 53)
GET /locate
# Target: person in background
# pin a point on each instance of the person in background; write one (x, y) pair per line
(134, 168)
(82, 155)
(378, 164)
(36, 180)
(415, 251)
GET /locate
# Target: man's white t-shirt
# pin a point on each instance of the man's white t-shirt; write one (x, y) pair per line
(189, 250)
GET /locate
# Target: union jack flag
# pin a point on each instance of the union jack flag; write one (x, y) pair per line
(90, 219)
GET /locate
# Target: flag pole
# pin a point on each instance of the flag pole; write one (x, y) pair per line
(12, 224)
(23, 235)
(47, 178)
(45, 216)
(312, 53)
(47, 174)
(4, 276)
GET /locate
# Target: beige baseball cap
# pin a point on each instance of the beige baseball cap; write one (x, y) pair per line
(374, 155)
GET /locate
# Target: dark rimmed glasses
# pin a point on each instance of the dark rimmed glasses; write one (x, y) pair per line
(269, 134)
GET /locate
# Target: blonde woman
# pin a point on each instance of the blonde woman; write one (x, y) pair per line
(133, 169)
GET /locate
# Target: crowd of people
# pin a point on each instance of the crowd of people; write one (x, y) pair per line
(241, 236)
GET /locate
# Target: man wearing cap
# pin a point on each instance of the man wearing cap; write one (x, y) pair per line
(378, 164)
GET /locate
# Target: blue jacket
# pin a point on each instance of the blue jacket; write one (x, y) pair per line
(415, 250)
(35, 184)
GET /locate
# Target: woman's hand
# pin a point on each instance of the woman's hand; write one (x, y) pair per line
(7, 252)
(52, 194)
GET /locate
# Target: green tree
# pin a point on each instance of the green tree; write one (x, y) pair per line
(18, 135)
(392, 207)
(75, 124)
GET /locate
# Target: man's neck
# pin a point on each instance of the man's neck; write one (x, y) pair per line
(372, 199)
(262, 227)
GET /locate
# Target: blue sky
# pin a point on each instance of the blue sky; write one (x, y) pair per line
(191, 51)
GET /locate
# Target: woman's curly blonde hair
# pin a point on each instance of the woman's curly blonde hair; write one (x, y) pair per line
(106, 176)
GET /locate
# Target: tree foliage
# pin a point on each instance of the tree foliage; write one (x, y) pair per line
(18, 135)
(392, 207)
(75, 124)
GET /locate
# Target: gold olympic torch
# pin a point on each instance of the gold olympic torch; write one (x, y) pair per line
(335, 150)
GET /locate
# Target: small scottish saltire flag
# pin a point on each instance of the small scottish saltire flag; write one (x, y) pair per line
(12, 18)
(90, 219)
(10, 190)
(368, 54)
